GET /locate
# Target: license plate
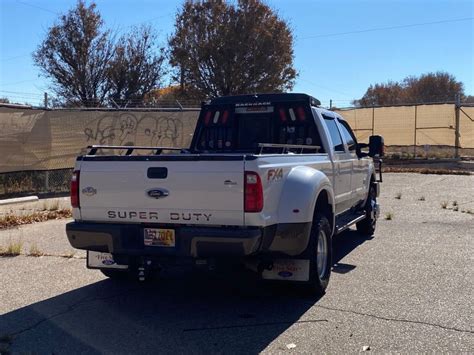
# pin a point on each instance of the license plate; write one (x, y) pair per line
(96, 260)
(288, 269)
(157, 237)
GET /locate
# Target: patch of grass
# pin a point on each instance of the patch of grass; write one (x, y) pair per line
(35, 251)
(455, 208)
(54, 206)
(455, 203)
(389, 216)
(12, 249)
(50, 205)
(398, 196)
(421, 198)
(469, 212)
(407, 169)
(444, 205)
(12, 220)
(69, 255)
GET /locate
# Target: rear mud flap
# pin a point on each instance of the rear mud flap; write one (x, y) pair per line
(97, 260)
(288, 270)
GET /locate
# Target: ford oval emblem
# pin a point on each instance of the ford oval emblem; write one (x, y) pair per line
(89, 191)
(285, 274)
(158, 193)
(108, 262)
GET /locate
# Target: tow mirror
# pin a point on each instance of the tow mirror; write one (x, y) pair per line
(376, 146)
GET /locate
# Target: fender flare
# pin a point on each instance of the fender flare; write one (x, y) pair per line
(300, 192)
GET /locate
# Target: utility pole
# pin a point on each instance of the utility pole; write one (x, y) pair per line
(330, 104)
(45, 100)
(457, 107)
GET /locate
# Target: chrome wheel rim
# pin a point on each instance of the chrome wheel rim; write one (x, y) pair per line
(322, 255)
(373, 212)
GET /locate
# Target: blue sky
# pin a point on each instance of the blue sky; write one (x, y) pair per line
(331, 65)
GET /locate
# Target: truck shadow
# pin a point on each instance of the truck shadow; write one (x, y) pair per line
(184, 312)
(343, 245)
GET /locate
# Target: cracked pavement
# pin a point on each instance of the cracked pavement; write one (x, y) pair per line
(408, 289)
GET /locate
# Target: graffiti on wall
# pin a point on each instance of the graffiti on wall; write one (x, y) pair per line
(127, 128)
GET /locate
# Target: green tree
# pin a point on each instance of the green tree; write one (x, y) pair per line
(220, 48)
(75, 56)
(136, 68)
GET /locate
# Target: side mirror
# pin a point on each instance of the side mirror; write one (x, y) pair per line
(376, 146)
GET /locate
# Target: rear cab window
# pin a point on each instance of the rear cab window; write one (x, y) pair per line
(336, 138)
(241, 127)
(348, 135)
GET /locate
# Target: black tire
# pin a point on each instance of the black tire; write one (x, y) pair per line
(319, 276)
(368, 224)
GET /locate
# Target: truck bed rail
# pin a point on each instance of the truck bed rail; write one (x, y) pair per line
(130, 148)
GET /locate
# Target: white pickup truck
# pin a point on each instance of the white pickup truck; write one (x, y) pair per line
(268, 180)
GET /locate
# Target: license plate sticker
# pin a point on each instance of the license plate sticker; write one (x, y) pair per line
(157, 237)
(97, 260)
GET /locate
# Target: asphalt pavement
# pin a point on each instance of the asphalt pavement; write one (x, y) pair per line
(407, 289)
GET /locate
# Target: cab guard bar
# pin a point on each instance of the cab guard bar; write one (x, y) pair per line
(285, 148)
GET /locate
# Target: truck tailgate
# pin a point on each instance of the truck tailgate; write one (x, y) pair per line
(177, 192)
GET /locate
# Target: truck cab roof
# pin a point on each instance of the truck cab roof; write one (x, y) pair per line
(263, 98)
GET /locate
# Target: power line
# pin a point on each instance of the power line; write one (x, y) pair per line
(15, 57)
(18, 82)
(37, 7)
(388, 28)
(20, 93)
(324, 87)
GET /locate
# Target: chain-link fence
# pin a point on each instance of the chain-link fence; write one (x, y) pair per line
(39, 147)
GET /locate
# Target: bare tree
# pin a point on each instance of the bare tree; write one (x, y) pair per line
(75, 55)
(136, 68)
(221, 48)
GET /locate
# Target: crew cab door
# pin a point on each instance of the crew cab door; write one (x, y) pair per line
(342, 166)
(359, 183)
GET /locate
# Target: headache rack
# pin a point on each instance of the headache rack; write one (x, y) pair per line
(130, 148)
(287, 148)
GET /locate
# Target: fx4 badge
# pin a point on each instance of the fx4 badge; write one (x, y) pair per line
(89, 191)
(275, 174)
(158, 193)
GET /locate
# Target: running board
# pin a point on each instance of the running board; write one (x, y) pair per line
(346, 221)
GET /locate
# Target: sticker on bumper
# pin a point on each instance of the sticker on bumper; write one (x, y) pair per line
(96, 260)
(288, 270)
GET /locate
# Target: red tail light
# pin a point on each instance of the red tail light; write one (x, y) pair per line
(75, 189)
(253, 192)
(207, 117)
(301, 114)
(282, 115)
(225, 116)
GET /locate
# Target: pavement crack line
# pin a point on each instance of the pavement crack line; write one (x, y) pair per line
(263, 324)
(70, 308)
(397, 319)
